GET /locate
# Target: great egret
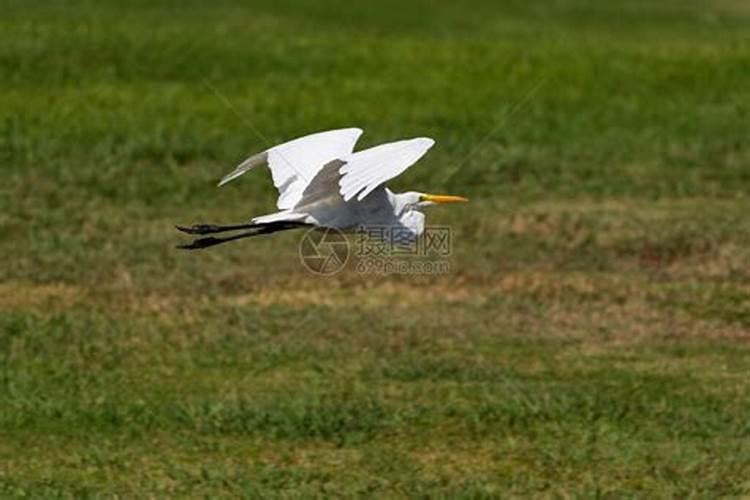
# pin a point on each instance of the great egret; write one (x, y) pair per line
(323, 183)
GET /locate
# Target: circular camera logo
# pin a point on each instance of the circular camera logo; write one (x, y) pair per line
(324, 250)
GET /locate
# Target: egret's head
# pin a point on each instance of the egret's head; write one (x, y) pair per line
(413, 200)
(407, 207)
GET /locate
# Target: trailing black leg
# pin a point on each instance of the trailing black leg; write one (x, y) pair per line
(212, 228)
(268, 228)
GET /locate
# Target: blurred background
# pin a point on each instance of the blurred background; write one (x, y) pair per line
(589, 339)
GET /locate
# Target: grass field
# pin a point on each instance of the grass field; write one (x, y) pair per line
(591, 338)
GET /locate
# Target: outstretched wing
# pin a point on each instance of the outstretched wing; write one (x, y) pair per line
(367, 169)
(295, 163)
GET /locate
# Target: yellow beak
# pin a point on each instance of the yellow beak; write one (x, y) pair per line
(444, 198)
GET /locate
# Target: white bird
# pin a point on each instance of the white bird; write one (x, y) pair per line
(323, 183)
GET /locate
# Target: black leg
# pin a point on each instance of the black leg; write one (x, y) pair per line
(272, 227)
(211, 228)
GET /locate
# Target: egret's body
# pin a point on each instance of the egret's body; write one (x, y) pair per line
(382, 207)
(323, 183)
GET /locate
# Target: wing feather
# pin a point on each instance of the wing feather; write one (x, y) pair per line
(295, 163)
(365, 170)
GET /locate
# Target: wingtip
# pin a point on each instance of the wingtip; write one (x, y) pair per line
(345, 129)
(246, 165)
(429, 140)
(228, 178)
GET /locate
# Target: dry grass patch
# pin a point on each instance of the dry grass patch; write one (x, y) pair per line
(53, 296)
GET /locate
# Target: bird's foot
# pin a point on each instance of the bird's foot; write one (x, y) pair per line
(199, 229)
(201, 243)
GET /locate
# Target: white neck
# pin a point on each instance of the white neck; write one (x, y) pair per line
(405, 210)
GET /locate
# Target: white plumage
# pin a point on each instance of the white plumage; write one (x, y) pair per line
(322, 182)
(294, 164)
(364, 171)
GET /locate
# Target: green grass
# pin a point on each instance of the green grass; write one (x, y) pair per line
(591, 339)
